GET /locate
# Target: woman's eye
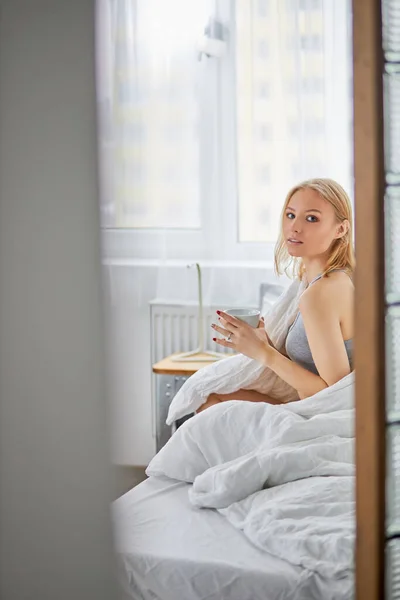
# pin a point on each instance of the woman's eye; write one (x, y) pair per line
(290, 215)
(312, 219)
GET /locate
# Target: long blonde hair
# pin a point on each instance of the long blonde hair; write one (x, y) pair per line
(342, 252)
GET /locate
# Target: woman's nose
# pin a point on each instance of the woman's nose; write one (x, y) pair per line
(296, 226)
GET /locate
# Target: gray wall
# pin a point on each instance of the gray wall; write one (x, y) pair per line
(55, 536)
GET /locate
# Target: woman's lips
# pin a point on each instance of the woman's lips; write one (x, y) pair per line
(293, 241)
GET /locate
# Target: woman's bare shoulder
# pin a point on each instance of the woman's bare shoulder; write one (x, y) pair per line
(339, 278)
(335, 290)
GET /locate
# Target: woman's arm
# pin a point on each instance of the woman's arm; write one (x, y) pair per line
(305, 382)
(321, 320)
(254, 343)
(320, 309)
(322, 324)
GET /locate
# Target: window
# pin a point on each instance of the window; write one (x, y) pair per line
(304, 170)
(307, 42)
(311, 117)
(312, 85)
(155, 116)
(312, 128)
(304, 5)
(263, 48)
(189, 142)
(263, 174)
(312, 42)
(263, 90)
(308, 5)
(262, 8)
(263, 132)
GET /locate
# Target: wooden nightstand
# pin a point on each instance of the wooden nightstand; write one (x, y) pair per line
(170, 376)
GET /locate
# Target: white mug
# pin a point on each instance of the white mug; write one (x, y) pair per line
(248, 315)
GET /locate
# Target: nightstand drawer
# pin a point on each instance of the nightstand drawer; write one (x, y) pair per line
(170, 375)
(166, 388)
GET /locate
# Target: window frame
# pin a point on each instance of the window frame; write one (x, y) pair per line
(219, 195)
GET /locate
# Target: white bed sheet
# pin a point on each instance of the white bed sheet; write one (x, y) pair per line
(169, 550)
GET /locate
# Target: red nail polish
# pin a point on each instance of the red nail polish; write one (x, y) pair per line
(214, 339)
(218, 312)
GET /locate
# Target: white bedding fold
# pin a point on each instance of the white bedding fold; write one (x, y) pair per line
(283, 474)
(292, 495)
(309, 522)
(220, 486)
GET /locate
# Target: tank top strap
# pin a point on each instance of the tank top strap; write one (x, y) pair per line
(314, 280)
(319, 276)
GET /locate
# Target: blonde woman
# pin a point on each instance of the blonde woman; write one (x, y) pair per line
(315, 244)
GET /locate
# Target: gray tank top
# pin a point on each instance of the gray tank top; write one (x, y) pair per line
(297, 346)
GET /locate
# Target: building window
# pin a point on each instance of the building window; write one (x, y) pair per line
(262, 8)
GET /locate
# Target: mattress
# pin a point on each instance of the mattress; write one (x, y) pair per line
(169, 550)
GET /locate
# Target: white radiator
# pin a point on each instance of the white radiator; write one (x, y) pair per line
(174, 329)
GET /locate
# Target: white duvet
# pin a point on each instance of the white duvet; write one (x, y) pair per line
(284, 475)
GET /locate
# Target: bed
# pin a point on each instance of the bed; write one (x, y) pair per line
(169, 550)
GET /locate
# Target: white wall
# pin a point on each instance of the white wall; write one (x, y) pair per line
(55, 540)
(129, 289)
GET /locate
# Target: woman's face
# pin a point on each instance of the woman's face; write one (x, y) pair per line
(309, 224)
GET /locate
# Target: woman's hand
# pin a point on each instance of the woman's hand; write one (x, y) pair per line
(250, 341)
(262, 325)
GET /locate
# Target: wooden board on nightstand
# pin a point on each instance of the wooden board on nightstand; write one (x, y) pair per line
(166, 366)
